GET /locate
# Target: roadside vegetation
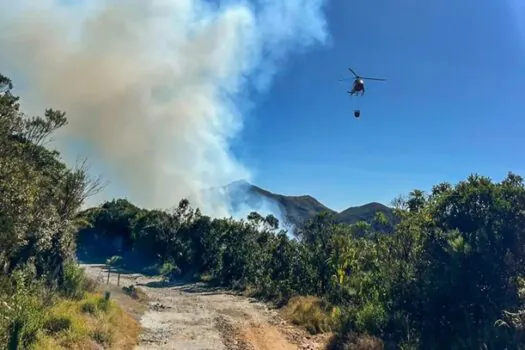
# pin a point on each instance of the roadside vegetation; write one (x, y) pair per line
(450, 276)
(46, 301)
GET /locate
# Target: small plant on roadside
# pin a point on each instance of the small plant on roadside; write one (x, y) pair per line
(135, 293)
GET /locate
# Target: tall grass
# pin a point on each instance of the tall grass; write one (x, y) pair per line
(79, 324)
(314, 314)
(72, 316)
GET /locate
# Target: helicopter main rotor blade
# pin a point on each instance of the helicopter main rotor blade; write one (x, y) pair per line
(346, 79)
(354, 73)
(380, 79)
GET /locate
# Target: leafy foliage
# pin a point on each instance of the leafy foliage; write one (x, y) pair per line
(39, 202)
(454, 262)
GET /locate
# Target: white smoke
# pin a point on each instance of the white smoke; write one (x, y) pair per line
(153, 87)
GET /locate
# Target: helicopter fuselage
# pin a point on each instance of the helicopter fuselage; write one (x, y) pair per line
(359, 86)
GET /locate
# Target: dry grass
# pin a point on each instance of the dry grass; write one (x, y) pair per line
(366, 342)
(90, 323)
(355, 341)
(134, 307)
(316, 315)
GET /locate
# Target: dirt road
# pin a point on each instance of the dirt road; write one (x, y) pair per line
(195, 317)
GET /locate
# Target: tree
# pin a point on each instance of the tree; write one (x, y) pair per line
(39, 201)
(40, 195)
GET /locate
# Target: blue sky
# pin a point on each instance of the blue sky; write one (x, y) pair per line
(453, 103)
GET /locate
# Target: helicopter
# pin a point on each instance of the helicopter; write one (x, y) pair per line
(358, 86)
(359, 83)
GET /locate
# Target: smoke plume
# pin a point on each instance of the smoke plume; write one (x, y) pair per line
(154, 90)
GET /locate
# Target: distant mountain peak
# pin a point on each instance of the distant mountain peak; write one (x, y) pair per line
(298, 209)
(241, 182)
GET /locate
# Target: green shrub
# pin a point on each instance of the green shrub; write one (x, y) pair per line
(169, 270)
(370, 318)
(135, 293)
(89, 307)
(104, 303)
(22, 317)
(95, 303)
(74, 282)
(22, 311)
(57, 324)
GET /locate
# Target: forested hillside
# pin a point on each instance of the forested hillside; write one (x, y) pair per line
(46, 301)
(450, 276)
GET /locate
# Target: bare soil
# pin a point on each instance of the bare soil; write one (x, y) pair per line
(194, 316)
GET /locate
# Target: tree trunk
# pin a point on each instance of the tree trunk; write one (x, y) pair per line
(14, 335)
(118, 279)
(109, 272)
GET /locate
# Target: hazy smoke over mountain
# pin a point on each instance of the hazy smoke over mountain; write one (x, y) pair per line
(151, 87)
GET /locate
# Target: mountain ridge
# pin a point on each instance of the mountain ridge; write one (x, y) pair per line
(296, 209)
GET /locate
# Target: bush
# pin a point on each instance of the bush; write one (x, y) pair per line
(355, 341)
(74, 284)
(89, 307)
(103, 302)
(22, 321)
(22, 314)
(135, 293)
(370, 318)
(316, 315)
(56, 324)
(169, 271)
(95, 304)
